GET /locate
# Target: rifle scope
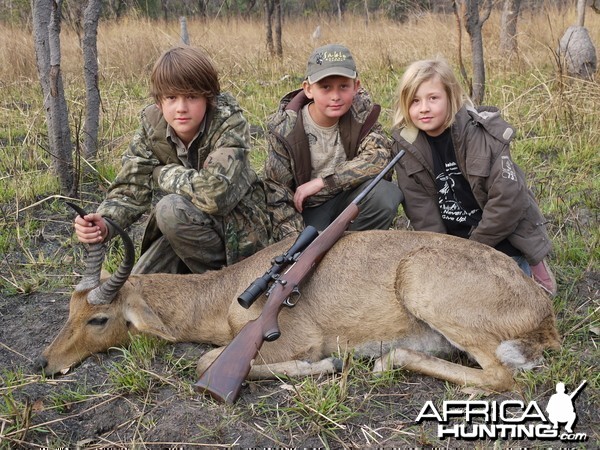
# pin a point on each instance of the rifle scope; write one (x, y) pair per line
(260, 285)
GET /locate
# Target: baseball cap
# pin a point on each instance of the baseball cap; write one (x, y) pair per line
(332, 59)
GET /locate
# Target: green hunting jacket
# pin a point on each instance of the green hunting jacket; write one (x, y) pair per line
(220, 182)
(288, 163)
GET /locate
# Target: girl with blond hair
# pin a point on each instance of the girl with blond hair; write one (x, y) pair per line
(458, 176)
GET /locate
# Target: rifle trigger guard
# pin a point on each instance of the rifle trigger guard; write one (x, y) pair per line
(293, 298)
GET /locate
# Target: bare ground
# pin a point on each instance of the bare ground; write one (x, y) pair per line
(171, 414)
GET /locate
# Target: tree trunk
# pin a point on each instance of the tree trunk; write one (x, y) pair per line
(458, 14)
(203, 8)
(581, 12)
(46, 26)
(116, 8)
(508, 27)
(91, 16)
(184, 35)
(165, 9)
(268, 26)
(474, 23)
(278, 31)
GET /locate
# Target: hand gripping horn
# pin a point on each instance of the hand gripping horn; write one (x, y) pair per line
(106, 292)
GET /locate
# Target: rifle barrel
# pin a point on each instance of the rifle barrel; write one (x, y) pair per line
(378, 178)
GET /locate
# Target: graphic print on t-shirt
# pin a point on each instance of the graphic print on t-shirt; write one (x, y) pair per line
(451, 209)
(458, 207)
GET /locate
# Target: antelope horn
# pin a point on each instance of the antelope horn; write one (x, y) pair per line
(93, 267)
(106, 292)
(93, 262)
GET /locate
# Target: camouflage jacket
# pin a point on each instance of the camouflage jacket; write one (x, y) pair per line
(288, 162)
(222, 184)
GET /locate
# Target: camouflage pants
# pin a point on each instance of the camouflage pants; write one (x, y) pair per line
(191, 241)
(377, 210)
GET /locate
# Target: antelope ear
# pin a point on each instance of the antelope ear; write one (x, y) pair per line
(144, 319)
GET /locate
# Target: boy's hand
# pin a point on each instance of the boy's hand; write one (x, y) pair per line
(306, 190)
(90, 229)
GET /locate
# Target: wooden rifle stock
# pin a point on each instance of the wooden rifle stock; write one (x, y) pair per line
(224, 377)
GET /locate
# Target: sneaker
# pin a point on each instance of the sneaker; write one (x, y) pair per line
(543, 276)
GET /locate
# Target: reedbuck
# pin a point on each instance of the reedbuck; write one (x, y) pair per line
(407, 298)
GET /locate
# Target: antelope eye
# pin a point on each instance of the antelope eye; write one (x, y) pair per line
(98, 321)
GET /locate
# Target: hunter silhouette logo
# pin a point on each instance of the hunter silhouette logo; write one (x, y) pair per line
(509, 419)
(560, 407)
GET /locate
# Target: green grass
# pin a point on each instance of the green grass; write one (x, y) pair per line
(319, 406)
(65, 399)
(133, 374)
(14, 411)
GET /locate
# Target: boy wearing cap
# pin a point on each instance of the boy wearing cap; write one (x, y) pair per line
(325, 144)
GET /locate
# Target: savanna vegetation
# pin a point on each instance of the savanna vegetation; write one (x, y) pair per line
(141, 396)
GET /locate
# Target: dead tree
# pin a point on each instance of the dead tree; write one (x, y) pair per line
(91, 16)
(46, 30)
(184, 35)
(475, 13)
(508, 27)
(273, 13)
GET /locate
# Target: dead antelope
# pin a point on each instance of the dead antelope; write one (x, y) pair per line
(405, 297)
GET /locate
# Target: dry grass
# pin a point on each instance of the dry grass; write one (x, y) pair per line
(128, 48)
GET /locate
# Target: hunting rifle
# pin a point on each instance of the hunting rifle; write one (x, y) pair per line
(223, 379)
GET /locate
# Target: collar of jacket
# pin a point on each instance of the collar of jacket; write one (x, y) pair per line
(165, 152)
(352, 132)
(412, 140)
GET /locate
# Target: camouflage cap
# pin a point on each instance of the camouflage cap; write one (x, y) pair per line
(332, 59)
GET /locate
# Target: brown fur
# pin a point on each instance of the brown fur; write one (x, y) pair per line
(404, 297)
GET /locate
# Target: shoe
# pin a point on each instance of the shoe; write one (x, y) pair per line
(543, 276)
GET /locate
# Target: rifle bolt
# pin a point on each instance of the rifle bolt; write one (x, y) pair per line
(272, 336)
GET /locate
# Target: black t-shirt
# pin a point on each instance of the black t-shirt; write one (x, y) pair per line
(458, 207)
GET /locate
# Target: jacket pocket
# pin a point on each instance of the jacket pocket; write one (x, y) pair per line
(480, 167)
